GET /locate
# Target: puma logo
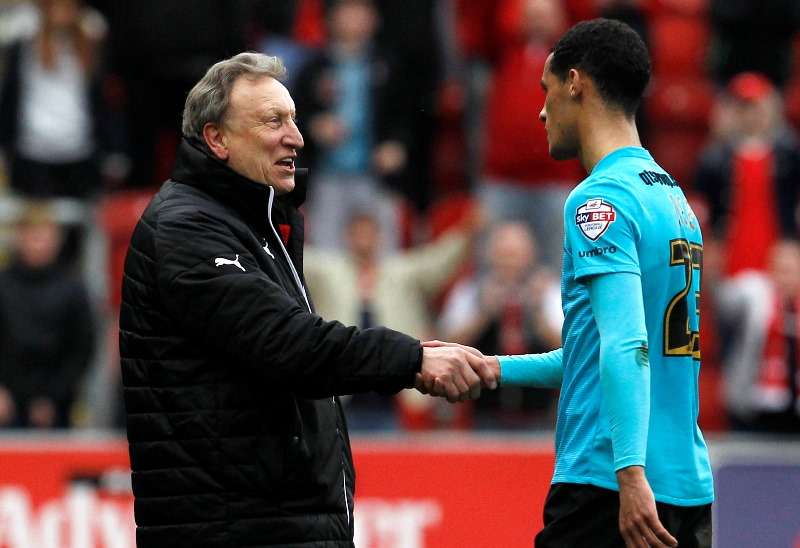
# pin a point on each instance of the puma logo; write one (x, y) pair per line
(266, 248)
(219, 261)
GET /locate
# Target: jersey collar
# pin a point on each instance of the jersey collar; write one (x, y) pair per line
(625, 152)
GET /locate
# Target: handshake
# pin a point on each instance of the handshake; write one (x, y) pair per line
(456, 372)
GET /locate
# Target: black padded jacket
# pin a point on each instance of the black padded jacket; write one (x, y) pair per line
(236, 436)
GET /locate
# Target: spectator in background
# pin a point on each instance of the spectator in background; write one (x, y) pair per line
(352, 110)
(365, 288)
(512, 308)
(46, 330)
(754, 36)
(52, 112)
(419, 56)
(762, 368)
(749, 176)
(159, 49)
(519, 180)
(277, 22)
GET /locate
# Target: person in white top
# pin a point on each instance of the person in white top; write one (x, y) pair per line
(52, 106)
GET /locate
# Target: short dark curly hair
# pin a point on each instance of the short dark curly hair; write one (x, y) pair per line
(612, 54)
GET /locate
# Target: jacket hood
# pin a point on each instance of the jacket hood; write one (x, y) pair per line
(195, 166)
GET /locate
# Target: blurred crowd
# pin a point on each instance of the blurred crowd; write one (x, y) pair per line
(434, 207)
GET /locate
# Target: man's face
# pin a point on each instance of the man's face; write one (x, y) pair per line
(363, 236)
(559, 114)
(543, 20)
(260, 133)
(755, 118)
(353, 22)
(39, 244)
(512, 252)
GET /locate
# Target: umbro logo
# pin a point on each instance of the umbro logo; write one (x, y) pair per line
(220, 261)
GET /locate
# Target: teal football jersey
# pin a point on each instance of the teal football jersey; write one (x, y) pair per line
(629, 215)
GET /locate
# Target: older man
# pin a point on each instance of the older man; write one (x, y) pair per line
(236, 435)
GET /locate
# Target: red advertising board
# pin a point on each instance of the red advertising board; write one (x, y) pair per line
(415, 493)
(441, 494)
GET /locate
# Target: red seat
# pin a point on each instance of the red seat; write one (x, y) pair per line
(678, 45)
(680, 103)
(681, 7)
(580, 10)
(119, 213)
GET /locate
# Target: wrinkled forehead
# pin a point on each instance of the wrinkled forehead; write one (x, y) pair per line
(260, 94)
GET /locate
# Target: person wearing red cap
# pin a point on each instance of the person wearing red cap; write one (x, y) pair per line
(749, 175)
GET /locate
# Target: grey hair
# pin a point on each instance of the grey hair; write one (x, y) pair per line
(208, 100)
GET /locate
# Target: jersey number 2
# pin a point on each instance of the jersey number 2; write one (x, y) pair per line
(679, 337)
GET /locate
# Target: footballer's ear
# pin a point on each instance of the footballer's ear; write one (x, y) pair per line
(576, 81)
(214, 136)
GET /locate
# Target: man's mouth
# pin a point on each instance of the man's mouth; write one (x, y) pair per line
(287, 163)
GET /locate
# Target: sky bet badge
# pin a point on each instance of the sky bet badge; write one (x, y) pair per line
(594, 217)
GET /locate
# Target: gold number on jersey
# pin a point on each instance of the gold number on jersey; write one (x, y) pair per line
(679, 338)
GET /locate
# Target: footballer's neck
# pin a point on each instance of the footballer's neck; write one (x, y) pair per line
(602, 132)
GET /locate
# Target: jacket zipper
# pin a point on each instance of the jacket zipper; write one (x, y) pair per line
(308, 305)
(286, 253)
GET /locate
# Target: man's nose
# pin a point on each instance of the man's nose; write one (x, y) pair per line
(293, 138)
(543, 115)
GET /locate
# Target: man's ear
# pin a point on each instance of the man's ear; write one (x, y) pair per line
(575, 81)
(216, 140)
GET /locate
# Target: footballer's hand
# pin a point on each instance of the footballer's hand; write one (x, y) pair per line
(450, 372)
(638, 518)
(489, 370)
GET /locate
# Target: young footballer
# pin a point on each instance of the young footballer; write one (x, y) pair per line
(632, 467)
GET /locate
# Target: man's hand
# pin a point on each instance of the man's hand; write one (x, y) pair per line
(638, 519)
(451, 372)
(490, 374)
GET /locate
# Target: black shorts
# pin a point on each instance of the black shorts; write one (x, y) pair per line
(585, 516)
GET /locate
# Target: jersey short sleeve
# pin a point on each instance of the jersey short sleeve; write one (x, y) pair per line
(600, 228)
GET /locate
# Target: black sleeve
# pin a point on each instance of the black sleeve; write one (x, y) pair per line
(251, 320)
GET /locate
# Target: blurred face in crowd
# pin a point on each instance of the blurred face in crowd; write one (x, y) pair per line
(755, 118)
(560, 113)
(363, 236)
(512, 252)
(39, 243)
(353, 22)
(60, 14)
(543, 20)
(784, 268)
(258, 136)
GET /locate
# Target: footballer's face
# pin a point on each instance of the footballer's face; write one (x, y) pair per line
(559, 114)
